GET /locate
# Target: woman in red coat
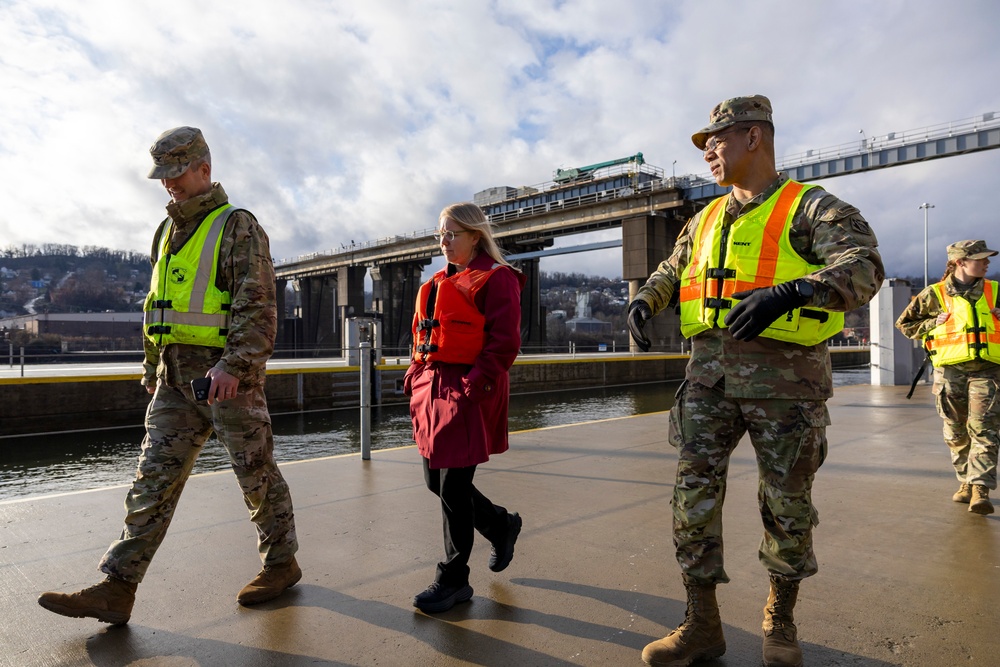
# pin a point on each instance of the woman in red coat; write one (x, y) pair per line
(466, 333)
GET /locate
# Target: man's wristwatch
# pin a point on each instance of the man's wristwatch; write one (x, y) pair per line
(804, 289)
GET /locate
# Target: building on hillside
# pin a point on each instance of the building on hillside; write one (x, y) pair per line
(584, 323)
(112, 326)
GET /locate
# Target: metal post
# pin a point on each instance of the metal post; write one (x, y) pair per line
(366, 400)
(22, 361)
(925, 206)
(11, 345)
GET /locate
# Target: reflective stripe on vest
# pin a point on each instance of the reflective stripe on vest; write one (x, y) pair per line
(184, 305)
(751, 253)
(971, 332)
(451, 330)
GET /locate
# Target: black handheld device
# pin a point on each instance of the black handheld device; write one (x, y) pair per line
(200, 387)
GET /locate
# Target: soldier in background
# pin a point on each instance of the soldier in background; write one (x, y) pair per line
(763, 276)
(957, 319)
(210, 317)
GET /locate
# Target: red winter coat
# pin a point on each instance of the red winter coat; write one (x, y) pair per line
(459, 412)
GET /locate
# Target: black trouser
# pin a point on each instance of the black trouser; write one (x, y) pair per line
(463, 510)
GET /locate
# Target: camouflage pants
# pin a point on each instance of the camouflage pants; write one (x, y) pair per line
(970, 407)
(176, 428)
(789, 438)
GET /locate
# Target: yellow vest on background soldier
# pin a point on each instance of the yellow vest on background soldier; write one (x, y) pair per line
(970, 333)
(210, 317)
(762, 276)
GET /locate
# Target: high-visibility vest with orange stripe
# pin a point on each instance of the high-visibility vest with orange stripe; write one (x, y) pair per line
(972, 331)
(753, 252)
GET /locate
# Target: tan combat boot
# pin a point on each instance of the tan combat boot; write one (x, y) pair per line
(980, 502)
(964, 493)
(699, 637)
(270, 582)
(109, 601)
(781, 647)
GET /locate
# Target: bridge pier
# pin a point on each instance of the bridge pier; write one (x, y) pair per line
(324, 303)
(280, 284)
(532, 313)
(318, 314)
(394, 296)
(647, 240)
(350, 299)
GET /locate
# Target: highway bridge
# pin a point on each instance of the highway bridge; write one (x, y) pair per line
(648, 206)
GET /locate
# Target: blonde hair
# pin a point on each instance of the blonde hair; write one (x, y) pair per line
(949, 269)
(470, 217)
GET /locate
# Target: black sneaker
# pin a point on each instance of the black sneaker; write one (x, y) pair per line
(438, 597)
(503, 551)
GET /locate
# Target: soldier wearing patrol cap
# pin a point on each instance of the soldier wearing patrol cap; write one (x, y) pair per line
(957, 319)
(762, 277)
(210, 317)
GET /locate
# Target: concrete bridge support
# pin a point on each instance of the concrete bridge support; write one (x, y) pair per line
(319, 326)
(394, 296)
(280, 284)
(532, 312)
(350, 298)
(647, 240)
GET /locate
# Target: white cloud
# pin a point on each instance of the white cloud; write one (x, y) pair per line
(336, 122)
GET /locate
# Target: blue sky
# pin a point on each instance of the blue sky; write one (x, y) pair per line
(337, 121)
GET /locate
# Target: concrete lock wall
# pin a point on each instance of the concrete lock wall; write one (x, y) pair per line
(43, 405)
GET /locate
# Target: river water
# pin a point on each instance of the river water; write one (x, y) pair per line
(42, 465)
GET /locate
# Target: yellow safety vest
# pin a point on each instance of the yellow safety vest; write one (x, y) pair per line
(972, 331)
(183, 304)
(753, 252)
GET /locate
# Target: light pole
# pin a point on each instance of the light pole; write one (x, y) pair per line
(925, 206)
(674, 167)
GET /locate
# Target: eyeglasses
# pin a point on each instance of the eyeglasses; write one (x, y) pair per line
(449, 234)
(719, 139)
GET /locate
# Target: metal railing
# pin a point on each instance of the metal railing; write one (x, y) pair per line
(986, 121)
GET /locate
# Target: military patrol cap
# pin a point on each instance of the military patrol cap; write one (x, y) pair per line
(175, 150)
(732, 111)
(969, 250)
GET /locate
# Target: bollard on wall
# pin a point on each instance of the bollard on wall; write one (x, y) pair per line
(366, 400)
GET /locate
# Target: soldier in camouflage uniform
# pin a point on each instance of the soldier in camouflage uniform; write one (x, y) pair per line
(966, 381)
(178, 424)
(741, 378)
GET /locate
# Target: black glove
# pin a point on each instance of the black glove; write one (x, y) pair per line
(760, 307)
(638, 312)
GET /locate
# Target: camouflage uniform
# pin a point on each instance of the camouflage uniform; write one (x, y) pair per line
(965, 393)
(177, 426)
(774, 390)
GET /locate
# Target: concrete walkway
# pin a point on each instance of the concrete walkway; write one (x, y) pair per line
(907, 577)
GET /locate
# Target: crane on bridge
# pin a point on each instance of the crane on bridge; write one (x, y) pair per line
(576, 173)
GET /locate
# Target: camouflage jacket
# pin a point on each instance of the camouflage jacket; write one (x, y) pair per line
(246, 271)
(920, 316)
(825, 231)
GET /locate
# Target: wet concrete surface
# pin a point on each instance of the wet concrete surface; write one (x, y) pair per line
(907, 577)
